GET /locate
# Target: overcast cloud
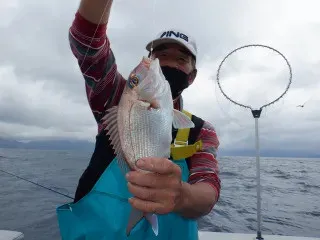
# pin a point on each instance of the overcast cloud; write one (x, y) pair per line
(42, 91)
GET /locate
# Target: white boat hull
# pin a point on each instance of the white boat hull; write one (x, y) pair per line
(10, 235)
(13, 235)
(239, 236)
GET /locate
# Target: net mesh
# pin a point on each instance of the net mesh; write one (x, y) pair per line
(256, 78)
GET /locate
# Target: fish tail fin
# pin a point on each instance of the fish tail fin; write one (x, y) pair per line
(136, 216)
(153, 220)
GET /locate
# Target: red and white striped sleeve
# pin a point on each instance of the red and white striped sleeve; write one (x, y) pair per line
(204, 165)
(91, 47)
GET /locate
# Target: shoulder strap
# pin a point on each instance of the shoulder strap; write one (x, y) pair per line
(194, 132)
(184, 144)
(183, 134)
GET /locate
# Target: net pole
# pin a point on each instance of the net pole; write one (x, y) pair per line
(258, 180)
(256, 114)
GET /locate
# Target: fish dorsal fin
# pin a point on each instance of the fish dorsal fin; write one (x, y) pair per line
(181, 120)
(111, 122)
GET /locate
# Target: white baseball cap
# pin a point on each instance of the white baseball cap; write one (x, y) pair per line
(174, 36)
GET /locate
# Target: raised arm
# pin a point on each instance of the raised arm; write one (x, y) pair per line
(96, 11)
(90, 45)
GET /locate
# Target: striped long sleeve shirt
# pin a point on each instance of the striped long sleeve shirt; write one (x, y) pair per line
(104, 85)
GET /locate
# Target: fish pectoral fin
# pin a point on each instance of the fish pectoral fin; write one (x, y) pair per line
(135, 217)
(181, 120)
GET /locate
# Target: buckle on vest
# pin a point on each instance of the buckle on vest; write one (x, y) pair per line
(178, 143)
(184, 151)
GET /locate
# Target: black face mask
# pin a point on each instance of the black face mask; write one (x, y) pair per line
(178, 80)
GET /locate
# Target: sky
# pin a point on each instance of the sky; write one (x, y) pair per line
(42, 94)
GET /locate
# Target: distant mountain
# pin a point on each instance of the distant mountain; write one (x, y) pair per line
(79, 145)
(49, 144)
(4, 143)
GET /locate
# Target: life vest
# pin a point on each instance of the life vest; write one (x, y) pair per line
(181, 148)
(102, 211)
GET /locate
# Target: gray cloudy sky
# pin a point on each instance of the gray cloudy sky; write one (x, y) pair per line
(42, 92)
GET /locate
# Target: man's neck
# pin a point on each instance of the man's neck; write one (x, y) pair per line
(177, 103)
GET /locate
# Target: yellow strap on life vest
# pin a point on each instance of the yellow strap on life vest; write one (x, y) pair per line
(180, 148)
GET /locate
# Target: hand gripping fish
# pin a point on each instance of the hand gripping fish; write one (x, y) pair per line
(141, 125)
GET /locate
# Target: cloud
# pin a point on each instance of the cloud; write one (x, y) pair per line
(29, 109)
(42, 91)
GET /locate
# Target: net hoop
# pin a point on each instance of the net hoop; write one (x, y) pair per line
(255, 45)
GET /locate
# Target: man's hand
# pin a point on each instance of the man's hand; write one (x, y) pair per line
(157, 191)
(97, 11)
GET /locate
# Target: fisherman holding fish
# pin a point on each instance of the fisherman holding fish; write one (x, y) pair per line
(128, 191)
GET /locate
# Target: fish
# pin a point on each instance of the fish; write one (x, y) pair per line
(141, 124)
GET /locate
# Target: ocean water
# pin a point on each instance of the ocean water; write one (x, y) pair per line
(290, 193)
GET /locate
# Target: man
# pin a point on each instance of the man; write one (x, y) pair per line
(161, 192)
